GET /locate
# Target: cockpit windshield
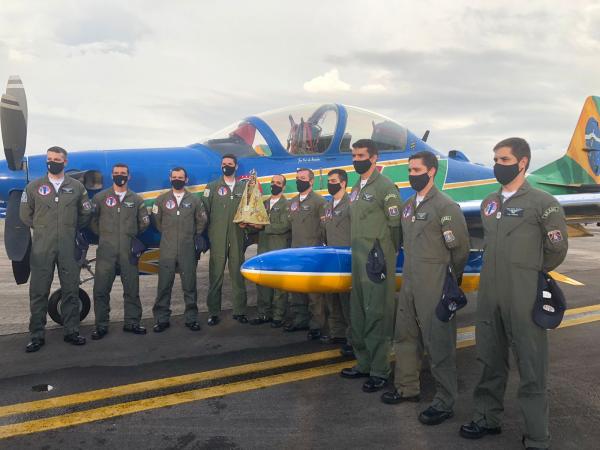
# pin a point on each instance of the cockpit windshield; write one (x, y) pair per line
(307, 129)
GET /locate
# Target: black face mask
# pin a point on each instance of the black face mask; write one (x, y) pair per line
(120, 180)
(178, 184)
(276, 190)
(362, 166)
(505, 174)
(333, 188)
(228, 170)
(302, 185)
(55, 167)
(418, 182)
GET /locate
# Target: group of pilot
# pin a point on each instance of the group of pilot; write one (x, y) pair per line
(524, 233)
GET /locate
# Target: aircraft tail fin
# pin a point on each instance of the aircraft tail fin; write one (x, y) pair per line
(579, 168)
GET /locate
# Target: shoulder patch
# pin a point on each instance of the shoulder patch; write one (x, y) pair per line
(393, 211)
(449, 237)
(145, 220)
(24, 197)
(555, 236)
(389, 196)
(155, 209)
(548, 211)
(206, 192)
(87, 205)
(446, 219)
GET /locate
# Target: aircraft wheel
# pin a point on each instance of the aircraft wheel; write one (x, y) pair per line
(55, 301)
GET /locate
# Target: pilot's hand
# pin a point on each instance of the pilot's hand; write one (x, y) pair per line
(242, 225)
(257, 226)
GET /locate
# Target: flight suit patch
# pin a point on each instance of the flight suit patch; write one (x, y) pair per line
(155, 209)
(490, 208)
(294, 206)
(353, 195)
(338, 212)
(407, 211)
(421, 216)
(170, 204)
(128, 204)
(328, 214)
(44, 190)
(145, 220)
(24, 197)
(393, 211)
(110, 201)
(67, 190)
(305, 207)
(449, 236)
(555, 236)
(446, 219)
(513, 212)
(186, 205)
(87, 205)
(368, 197)
(549, 211)
(389, 196)
(239, 194)
(222, 191)
(206, 192)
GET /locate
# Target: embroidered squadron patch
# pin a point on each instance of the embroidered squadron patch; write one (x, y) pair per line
(555, 236)
(449, 236)
(446, 219)
(146, 219)
(222, 191)
(407, 211)
(549, 211)
(353, 195)
(328, 213)
(170, 204)
(110, 201)
(387, 197)
(155, 209)
(24, 197)
(206, 192)
(44, 190)
(490, 208)
(294, 206)
(87, 205)
(393, 211)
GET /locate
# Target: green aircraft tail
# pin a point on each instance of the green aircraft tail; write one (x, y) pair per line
(579, 169)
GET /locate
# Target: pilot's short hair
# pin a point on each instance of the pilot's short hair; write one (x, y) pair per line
(341, 173)
(230, 156)
(279, 175)
(178, 169)
(60, 150)
(311, 174)
(369, 144)
(121, 165)
(429, 159)
(518, 147)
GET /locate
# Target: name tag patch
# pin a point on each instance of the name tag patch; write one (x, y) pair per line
(305, 207)
(513, 212)
(186, 205)
(421, 216)
(67, 190)
(368, 197)
(128, 204)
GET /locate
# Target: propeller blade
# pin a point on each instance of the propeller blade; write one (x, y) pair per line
(14, 131)
(15, 88)
(16, 234)
(22, 269)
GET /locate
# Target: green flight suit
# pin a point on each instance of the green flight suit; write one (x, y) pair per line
(226, 244)
(55, 218)
(305, 217)
(435, 236)
(522, 235)
(375, 214)
(178, 225)
(116, 222)
(336, 222)
(272, 303)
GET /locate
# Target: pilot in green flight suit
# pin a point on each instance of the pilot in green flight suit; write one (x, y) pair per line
(272, 303)
(435, 237)
(336, 222)
(55, 207)
(179, 215)
(307, 310)
(375, 212)
(221, 199)
(119, 216)
(525, 232)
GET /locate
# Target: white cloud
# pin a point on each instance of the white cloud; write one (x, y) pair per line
(373, 88)
(327, 83)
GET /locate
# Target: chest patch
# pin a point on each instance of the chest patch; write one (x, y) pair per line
(368, 197)
(490, 208)
(328, 213)
(170, 204)
(294, 206)
(222, 191)
(513, 212)
(110, 201)
(186, 205)
(338, 212)
(305, 207)
(353, 195)
(407, 212)
(67, 190)
(128, 204)
(44, 190)
(421, 216)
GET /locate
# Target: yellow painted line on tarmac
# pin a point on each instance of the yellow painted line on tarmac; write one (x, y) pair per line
(162, 383)
(107, 412)
(565, 279)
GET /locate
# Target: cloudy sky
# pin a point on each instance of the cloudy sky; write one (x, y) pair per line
(114, 74)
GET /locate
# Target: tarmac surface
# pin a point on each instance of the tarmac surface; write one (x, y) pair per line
(243, 386)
